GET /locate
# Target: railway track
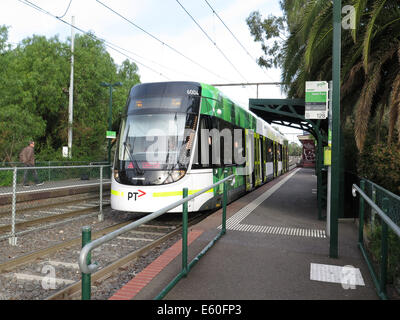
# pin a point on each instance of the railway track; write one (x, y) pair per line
(53, 272)
(41, 213)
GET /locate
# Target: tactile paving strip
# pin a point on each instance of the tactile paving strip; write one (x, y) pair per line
(234, 222)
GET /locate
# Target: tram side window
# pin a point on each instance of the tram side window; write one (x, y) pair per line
(203, 156)
(262, 141)
(239, 150)
(226, 142)
(269, 150)
(211, 153)
(280, 153)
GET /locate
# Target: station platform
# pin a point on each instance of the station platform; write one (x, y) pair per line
(275, 248)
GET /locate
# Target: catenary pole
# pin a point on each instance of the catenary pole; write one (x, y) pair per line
(336, 163)
(71, 91)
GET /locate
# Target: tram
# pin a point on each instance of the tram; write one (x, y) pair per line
(177, 135)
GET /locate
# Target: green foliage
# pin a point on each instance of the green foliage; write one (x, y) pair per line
(34, 82)
(374, 235)
(370, 56)
(3, 39)
(6, 178)
(17, 127)
(295, 149)
(380, 163)
(265, 31)
(370, 75)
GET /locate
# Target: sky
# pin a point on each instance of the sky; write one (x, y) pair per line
(210, 56)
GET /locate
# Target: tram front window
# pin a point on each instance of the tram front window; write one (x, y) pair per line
(152, 148)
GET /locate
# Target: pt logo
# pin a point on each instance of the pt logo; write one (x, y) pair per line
(135, 194)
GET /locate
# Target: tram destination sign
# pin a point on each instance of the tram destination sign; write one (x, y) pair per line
(316, 100)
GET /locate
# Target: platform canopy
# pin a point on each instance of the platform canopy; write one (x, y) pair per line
(289, 113)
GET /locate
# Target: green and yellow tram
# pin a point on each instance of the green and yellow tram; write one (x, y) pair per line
(177, 135)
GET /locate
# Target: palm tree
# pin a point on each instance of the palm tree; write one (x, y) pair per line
(371, 59)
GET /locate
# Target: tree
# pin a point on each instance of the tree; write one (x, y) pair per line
(371, 57)
(17, 127)
(34, 82)
(295, 149)
(370, 74)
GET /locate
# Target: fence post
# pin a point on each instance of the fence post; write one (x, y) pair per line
(384, 249)
(361, 215)
(86, 277)
(373, 212)
(184, 233)
(101, 216)
(224, 202)
(13, 239)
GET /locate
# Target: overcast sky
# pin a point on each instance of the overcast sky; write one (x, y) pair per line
(167, 21)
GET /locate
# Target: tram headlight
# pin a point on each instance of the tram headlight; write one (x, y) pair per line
(116, 175)
(176, 175)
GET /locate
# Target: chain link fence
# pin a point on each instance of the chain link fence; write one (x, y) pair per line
(32, 198)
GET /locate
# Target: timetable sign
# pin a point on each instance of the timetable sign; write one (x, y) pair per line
(316, 100)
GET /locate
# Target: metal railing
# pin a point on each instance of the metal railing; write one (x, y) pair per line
(62, 177)
(53, 163)
(386, 221)
(87, 268)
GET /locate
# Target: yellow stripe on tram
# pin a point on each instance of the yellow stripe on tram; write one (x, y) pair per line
(117, 193)
(176, 193)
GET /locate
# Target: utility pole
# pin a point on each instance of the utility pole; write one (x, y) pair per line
(110, 86)
(71, 91)
(336, 160)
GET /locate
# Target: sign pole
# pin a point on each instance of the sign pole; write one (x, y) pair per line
(336, 170)
(329, 164)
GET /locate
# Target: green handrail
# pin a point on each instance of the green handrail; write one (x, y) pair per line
(380, 283)
(87, 267)
(185, 267)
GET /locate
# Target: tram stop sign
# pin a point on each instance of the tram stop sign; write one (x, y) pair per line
(111, 134)
(316, 100)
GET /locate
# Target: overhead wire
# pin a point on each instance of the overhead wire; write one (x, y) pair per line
(159, 40)
(65, 10)
(213, 42)
(106, 43)
(238, 41)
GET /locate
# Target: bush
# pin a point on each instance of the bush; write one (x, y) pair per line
(6, 178)
(374, 236)
(380, 164)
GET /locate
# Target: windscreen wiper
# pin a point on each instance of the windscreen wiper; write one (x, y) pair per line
(136, 165)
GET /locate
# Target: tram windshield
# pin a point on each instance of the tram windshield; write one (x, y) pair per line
(157, 133)
(154, 148)
(153, 140)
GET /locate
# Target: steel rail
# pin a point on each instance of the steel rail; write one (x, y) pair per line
(19, 261)
(102, 274)
(40, 206)
(49, 218)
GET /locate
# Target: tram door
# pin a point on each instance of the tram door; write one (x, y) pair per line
(275, 148)
(249, 145)
(257, 173)
(264, 159)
